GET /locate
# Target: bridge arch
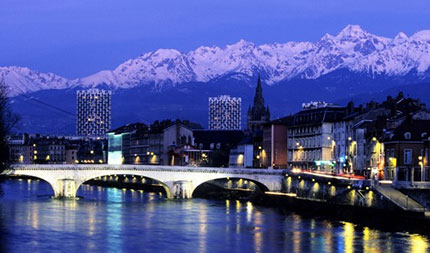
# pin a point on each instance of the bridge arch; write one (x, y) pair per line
(261, 186)
(46, 177)
(45, 180)
(123, 173)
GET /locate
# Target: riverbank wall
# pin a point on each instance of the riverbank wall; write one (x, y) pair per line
(336, 190)
(348, 192)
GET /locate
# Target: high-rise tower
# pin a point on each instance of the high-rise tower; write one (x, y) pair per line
(93, 112)
(225, 113)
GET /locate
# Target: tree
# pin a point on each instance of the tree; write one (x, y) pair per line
(7, 121)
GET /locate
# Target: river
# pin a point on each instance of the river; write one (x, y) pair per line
(120, 220)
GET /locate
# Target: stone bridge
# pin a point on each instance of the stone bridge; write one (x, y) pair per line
(178, 182)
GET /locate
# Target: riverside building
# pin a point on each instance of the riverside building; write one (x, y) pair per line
(225, 113)
(93, 112)
(310, 136)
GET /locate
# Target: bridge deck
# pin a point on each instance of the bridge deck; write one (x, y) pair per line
(145, 168)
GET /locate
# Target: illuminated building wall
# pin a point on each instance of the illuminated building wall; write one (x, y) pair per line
(93, 112)
(241, 156)
(225, 113)
(116, 147)
(310, 140)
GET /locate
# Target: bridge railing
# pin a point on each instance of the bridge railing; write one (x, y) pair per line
(144, 167)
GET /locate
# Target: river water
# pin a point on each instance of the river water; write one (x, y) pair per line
(119, 220)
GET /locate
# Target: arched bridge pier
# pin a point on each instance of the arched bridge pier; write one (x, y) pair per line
(178, 182)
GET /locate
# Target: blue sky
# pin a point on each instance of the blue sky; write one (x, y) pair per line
(75, 38)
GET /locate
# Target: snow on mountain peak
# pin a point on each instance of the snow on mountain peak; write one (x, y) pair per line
(422, 35)
(352, 31)
(401, 37)
(353, 49)
(23, 80)
(241, 45)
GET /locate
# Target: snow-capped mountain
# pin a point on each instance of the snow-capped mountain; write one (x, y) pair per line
(23, 80)
(353, 49)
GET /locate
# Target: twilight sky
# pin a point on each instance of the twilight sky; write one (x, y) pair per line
(75, 38)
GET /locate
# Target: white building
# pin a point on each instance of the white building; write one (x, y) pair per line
(93, 110)
(225, 113)
(241, 156)
(310, 142)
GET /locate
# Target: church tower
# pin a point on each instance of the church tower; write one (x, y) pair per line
(258, 114)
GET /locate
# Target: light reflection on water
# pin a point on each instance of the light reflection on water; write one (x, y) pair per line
(113, 220)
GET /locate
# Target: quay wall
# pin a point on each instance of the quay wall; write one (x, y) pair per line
(336, 191)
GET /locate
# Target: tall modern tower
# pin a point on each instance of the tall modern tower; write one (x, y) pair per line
(225, 113)
(93, 112)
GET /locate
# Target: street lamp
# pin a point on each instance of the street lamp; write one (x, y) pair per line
(420, 158)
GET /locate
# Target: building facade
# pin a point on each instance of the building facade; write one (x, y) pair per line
(310, 142)
(274, 152)
(161, 143)
(241, 156)
(40, 149)
(225, 113)
(407, 153)
(93, 110)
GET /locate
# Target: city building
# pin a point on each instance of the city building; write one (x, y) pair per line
(225, 113)
(176, 138)
(216, 145)
(357, 137)
(20, 149)
(242, 155)
(160, 143)
(72, 153)
(91, 152)
(407, 153)
(17, 139)
(274, 151)
(310, 141)
(50, 150)
(93, 110)
(40, 149)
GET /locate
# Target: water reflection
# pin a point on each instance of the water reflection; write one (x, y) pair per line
(203, 220)
(328, 236)
(418, 244)
(258, 230)
(115, 220)
(348, 235)
(297, 235)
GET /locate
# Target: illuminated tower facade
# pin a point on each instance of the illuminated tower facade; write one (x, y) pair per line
(93, 110)
(225, 113)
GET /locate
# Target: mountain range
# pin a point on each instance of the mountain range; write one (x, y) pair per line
(338, 68)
